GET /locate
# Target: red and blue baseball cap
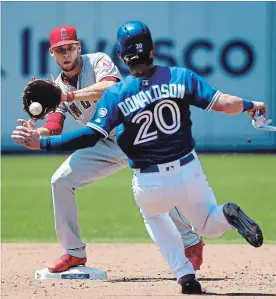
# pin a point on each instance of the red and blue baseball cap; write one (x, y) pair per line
(63, 35)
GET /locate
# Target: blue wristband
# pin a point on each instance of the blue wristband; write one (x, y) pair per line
(43, 142)
(247, 104)
(50, 143)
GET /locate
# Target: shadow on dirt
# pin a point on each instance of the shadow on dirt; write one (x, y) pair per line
(239, 294)
(140, 279)
(156, 279)
(152, 279)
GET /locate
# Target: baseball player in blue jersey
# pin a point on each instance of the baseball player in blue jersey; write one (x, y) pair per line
(151, 109)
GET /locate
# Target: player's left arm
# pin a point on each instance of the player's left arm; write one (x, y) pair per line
(106, 73)
(91, 93)
(231, 104)
(207, 97)
(106, 117)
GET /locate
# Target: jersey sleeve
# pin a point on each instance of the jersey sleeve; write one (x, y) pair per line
(105, 67)
(61, 109)
(107, 114)
(201, 93)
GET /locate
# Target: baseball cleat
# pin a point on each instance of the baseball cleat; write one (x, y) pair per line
(190, 285)
(67, 261)
(246, 227)
(195, 254)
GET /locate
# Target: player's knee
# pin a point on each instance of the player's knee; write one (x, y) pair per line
(60, 177)
(56, 179)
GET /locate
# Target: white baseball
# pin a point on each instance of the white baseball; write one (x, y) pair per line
(35, 108)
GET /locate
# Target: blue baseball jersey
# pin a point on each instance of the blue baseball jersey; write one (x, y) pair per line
(152, 115)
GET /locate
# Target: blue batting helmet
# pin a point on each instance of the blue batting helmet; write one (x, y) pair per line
(133, 38)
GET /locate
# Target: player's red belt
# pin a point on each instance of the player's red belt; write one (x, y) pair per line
(154, 168)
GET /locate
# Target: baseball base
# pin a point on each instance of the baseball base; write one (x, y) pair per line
(80, 272)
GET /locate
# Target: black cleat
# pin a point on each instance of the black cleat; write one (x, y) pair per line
(190, 285)
(247, 227)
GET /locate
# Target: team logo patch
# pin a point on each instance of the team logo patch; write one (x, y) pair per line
(105, 64)
(63, 34)
(145, 82)
(102, 112)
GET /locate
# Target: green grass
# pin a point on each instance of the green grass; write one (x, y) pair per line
(107, 212)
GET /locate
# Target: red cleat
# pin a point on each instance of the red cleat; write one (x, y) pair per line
(195, 254)
(67, 261)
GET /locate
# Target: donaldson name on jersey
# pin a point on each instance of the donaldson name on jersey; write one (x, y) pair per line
(153, 114)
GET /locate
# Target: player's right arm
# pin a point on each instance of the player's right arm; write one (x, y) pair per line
(53, 125)
(105, 119)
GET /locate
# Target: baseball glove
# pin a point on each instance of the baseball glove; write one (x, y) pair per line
(45, 92)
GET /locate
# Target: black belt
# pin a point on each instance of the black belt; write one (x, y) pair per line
(154, 168)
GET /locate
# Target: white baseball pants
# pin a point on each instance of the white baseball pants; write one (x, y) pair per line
(186, 188)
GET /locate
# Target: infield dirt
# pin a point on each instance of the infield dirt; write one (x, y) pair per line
(138, 271)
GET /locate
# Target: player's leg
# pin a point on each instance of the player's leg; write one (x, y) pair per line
(83, 167)
(164, 233)
(192, 242)
(199, 205)
(189, 236)
(151, 195)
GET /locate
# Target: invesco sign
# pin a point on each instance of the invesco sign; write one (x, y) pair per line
(219, 55)
(223, 55)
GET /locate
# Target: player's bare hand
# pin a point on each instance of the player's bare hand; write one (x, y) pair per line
(26, 137)
(261, 106)
(30, 124)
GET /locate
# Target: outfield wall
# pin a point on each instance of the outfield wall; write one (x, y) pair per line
(232, 44)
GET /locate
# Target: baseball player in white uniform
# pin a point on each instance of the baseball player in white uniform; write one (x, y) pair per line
(83, 79)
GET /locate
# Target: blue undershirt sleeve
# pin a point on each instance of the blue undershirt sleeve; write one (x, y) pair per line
(84, 137)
